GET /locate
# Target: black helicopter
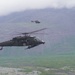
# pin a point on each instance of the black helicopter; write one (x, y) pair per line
(25, 40)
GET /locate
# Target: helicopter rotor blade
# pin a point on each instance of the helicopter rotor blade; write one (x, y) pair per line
(34, 31)
(41, 33)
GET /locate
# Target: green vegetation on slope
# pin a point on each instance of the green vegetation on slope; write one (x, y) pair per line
(55, 61)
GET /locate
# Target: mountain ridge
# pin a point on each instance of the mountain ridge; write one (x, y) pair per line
(53, 16)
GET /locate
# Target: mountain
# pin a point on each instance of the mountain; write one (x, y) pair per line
(53, 16)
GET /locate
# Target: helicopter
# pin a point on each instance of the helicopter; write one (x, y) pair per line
(25, 40)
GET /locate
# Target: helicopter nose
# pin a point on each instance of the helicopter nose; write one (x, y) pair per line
(43, 42)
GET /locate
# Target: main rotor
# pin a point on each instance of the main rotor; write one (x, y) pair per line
(26, 33)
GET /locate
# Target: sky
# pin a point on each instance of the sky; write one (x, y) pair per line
(9, 6)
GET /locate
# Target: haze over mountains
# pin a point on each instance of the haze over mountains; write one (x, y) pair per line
(53, 16)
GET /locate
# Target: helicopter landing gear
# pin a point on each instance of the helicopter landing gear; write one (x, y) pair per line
(31, 46)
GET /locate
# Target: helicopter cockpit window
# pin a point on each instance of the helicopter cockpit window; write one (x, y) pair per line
(36, 39)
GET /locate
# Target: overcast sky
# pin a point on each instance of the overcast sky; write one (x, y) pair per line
(8, 6)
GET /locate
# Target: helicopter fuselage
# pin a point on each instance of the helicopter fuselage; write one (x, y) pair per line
(25, 40)
(22, 41)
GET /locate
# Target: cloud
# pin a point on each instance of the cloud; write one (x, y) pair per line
(8, 6)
